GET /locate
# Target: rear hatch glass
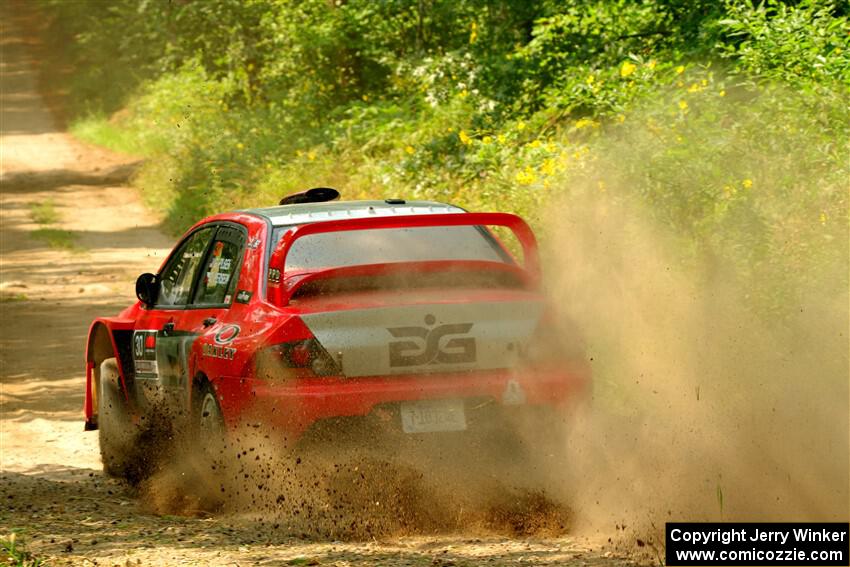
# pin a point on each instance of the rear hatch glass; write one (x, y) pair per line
(391, 245)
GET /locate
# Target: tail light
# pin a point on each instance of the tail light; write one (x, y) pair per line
(298, 359)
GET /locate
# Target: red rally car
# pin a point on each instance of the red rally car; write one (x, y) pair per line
(319, 310)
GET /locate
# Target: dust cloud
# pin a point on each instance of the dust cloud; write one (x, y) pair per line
(344, 492)
(702, 411)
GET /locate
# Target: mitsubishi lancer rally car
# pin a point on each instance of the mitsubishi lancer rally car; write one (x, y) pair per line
(321, 311)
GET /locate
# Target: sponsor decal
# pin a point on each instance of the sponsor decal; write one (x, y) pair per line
(428, 347)
(146, 367)
(226, 334)
(243, 296)
(144, 352)
(254, 243)
(219, 351)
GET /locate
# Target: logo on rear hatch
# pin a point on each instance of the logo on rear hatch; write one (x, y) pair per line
(428, 346)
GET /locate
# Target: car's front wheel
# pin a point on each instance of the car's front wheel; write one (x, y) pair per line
(115, 428)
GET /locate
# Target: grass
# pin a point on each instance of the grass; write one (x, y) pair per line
(44, 213)
(57, 238)
(303, 561)
(17, 553)
(114, 137)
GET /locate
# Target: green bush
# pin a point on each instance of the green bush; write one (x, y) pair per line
(805, 45)
(727, 122)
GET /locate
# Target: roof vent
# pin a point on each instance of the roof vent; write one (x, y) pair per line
(314, 195)
(395, 201)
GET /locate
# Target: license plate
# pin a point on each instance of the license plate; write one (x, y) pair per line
(427, 416)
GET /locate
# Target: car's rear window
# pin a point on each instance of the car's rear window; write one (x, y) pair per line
(390, 245)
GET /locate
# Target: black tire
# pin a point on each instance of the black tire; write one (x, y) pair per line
(116, 431)
(207, 420)
(205, 459)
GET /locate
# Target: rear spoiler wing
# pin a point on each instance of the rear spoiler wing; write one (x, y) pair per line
(523, 233)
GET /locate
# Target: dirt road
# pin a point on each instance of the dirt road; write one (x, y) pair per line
(74, 236)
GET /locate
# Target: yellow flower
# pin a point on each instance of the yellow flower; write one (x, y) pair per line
(534, 144)
(590, 79)
(486, 140)
(299, 153)
(410, 150)
(680, 69)
(311, 156)
(240, 146)
(547, 167)
(694, 88)
(747, 183)
(365, 98)
(520, 126)
(585, 122)
(501, 138)
(464, 93)
(550, 147)
(526, 176)
(621, 118)
(464, 138)
(473, 32)
(722, 93)
(683, 105)
(823, 218)
(627, 68)
(651, 64)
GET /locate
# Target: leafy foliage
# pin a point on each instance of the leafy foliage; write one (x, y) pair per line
(805, 45)
(726, 122)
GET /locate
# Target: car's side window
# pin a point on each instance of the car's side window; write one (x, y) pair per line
(218, 278)
(179, 274)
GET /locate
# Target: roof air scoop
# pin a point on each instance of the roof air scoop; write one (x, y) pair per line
(314, 195)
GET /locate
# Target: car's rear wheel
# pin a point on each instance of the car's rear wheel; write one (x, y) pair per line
(115, 428)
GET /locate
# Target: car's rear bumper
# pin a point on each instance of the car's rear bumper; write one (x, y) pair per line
(297, 404)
